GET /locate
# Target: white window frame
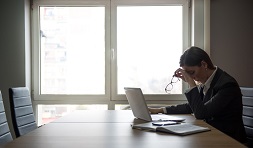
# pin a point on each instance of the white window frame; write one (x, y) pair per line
(111, 97)
(36, 52)
(186, 41)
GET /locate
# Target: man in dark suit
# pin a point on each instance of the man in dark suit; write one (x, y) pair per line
(213, 95)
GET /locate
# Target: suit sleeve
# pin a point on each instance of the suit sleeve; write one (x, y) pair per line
(179, 109)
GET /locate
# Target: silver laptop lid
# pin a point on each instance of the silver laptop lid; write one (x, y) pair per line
(137, 103)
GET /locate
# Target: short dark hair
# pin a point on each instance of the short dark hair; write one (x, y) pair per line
(193, 56)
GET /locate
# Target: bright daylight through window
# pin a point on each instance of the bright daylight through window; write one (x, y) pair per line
(86, 52)
(149, 44)
(93, 50)
(72, 50)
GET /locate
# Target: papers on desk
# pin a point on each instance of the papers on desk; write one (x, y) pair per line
(178, 129)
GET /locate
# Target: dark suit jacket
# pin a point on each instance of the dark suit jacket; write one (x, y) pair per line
(221, 106)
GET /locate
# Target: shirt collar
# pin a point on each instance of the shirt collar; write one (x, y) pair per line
(208, 82)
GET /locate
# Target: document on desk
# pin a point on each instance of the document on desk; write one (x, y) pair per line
(178, 129)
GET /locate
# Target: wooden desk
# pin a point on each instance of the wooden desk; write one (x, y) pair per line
(115, 133)
(109, 116)
(99, 116)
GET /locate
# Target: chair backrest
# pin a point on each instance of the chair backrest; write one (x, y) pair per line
(5, 135)
(21, 110)
(247, 99)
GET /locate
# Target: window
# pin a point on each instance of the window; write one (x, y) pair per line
(149, 44)
(72, 50)
(88, 51)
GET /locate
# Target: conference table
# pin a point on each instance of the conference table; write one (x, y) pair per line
(112, 129)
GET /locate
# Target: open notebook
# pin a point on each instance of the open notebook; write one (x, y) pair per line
(178, 129)
(139, 107)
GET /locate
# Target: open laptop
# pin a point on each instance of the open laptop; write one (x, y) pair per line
(139, 107)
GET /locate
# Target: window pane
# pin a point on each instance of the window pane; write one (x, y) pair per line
(149, 45)
(72, 50)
